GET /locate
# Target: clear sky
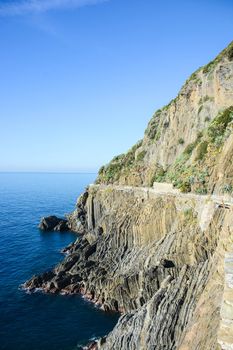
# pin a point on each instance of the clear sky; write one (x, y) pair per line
(80, 79)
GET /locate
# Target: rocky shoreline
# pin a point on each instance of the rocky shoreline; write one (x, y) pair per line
(59, 282)
(130, 271)
(53, 223)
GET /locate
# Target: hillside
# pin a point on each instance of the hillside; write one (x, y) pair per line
(189, 141)
(157, 227)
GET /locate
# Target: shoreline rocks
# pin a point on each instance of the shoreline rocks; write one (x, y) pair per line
(53, 223)
(136, 269)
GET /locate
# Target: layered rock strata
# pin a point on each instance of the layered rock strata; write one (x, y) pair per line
(152, 262)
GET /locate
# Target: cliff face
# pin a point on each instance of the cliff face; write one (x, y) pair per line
(162, 256)
(187, 132)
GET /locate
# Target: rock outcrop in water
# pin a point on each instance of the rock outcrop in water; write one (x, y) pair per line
(53, 223)
(162, 256)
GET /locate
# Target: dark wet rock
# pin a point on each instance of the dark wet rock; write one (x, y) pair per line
(68, 250)
(89, 264)
(38, 281)
(92, 346)
(167, 263)
(69, 262)
(76, 279)
(53, 223)
(62, 282)
(90, 250)
(62, 226)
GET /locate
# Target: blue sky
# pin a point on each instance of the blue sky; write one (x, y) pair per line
(80, 79)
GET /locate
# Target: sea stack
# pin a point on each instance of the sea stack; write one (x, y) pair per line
(53, 223)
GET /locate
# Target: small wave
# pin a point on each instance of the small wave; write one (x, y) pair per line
(64, 293)
(86, 347)
(65, 252)
(29, 290)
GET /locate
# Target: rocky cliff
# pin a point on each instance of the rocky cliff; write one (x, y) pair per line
(162, 257)
(189, 141)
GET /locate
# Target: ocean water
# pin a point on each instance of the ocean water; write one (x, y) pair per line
(39, 321)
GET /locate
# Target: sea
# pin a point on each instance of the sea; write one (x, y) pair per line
(41, 321)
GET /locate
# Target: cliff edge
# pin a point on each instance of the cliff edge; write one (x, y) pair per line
(157, 227)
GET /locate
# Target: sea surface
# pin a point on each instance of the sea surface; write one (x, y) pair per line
(38, 321)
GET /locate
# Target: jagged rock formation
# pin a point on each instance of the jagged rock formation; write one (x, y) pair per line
(53, 223)
(159, 256)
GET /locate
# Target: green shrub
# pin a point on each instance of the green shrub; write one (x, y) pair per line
(230, 52)
(157, 136)
(226, 52)
(228, 188)
(200, 109)
(205, 98)
(194, 176)
(101, 170)
(201, 190)
(219, 124)
(208, 67)
(141, 155)
(119, 164)
(189, 149)
(118, 158)
(194, 77)
(112, 171)
(181, 141)
(184, 187)
(159, 176)
(129, 157)
(188, 212)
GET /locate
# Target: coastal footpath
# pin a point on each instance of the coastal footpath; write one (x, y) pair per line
(157, 227)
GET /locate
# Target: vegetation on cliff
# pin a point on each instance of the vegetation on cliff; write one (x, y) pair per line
(121, 165)
(184, 141)
(192, 170)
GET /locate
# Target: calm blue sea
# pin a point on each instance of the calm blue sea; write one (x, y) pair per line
(38, 321)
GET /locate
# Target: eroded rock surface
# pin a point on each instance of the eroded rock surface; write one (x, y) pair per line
(151, 262)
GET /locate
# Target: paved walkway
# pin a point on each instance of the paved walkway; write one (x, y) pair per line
(165, 188)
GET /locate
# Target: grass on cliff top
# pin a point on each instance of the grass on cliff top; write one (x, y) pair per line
(119, 164)
(208, 68)
(227, 52)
